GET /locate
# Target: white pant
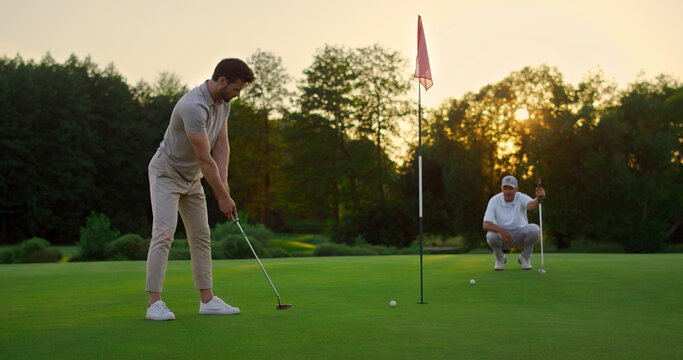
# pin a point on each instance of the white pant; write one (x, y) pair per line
(525, 237)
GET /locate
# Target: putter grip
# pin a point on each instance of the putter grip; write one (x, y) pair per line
(538, 186)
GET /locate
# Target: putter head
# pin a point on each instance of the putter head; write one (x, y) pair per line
(283, 306)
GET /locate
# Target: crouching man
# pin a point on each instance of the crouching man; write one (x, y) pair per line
(507, 225)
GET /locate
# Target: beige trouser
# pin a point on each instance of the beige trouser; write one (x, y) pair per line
(525, 237)
(170, 193)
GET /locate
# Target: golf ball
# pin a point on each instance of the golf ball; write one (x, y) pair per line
(541, 271)
(392, 303)
(472, 282)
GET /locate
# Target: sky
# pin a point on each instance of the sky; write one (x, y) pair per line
(470, 43)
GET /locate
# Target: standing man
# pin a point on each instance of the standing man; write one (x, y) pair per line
(507, 225)
(195, 145)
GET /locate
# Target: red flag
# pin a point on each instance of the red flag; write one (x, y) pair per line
(422, 70)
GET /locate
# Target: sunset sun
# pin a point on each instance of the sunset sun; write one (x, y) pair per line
(521, 114)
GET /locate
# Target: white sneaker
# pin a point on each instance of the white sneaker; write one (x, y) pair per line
(217, 307)
(526, 264)
(159, 311)
(500, 264)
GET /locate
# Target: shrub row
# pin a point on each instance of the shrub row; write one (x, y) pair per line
(125, 247)
(334, 249)
(232, 247)
(33, 250)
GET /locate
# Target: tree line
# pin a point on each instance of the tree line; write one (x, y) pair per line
(324, 158)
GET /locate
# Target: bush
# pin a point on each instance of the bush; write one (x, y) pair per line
(129, 246)
(36, 250)
(583, 245)
(33, 250)
(674, 248)
(379, 225)
(303, 226)
(118, 257)
(331, 249)
(649, 237)
(255, 232)
(408, 251)
(277, 252)
(180, 250)
(358, 251)
(218, 249)
(384, 250)
(235, 247)
(95, 236)
(360, 243)
(313, 239)
(7, 255)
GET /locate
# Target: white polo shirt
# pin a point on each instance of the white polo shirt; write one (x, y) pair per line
(508, 215)
(195, 113)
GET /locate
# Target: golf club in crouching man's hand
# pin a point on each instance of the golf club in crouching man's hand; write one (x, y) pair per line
(507, 225)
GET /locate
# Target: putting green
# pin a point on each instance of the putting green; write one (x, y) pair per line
(587, 306)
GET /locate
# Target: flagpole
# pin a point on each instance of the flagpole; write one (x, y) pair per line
(419, 162)
(424, 75)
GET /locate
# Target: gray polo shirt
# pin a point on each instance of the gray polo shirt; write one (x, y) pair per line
(195, 113)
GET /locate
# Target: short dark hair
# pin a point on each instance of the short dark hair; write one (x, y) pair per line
(233, 70)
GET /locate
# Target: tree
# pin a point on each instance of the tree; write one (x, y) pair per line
(245, 134)
(643, 172)
(84, 146)
(269, 90)
(169, 84)
(48, 177)
(381, 85)
(457, 168)
(267, 94)
(327, 92)
(154, 104)
(309, 170)
(551, 144)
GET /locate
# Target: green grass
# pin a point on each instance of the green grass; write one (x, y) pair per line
(588, 306)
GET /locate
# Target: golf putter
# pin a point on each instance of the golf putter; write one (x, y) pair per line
(540, 222)
(279, 306)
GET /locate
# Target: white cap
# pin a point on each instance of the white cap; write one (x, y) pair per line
(509, 181)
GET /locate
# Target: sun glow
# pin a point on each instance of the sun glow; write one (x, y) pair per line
(521, 114)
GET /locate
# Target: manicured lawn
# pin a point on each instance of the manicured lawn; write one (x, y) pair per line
(588, 306)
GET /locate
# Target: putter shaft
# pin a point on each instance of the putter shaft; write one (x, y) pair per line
(540, 217)
(257, 259)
